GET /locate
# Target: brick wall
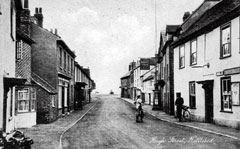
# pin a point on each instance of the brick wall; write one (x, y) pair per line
(44, 54)
(46, 113)
(23, 66)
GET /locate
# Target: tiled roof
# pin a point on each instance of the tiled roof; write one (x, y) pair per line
(221, 13)
(44, 84)
(24, 36)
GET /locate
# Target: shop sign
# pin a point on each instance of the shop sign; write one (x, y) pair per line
(220, 73)
(231, 71)
(144, 64)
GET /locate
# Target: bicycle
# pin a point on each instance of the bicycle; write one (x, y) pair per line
(186, 114)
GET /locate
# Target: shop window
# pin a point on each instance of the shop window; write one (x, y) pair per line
(33, 99)
(192, 95)
(182, 57)
(19, 48)
(225, 41)
(23, 100)
(193, 52)
(235, 93)
(226, 94)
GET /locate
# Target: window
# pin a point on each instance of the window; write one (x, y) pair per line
(19, 49)
(72, 66)
(65, 61)
(225, 41)
(60, 57)
(226, 94)
(53, 100)
(69, 64)
(23, 100)
(193, 54)
(192, 95)
(33, 99)
(181, 57)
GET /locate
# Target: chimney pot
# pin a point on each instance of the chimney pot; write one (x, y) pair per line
(186, 15)
(40, 10)
(51, 30)
(36, 10)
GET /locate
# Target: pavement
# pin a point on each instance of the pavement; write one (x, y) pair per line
(206, 127)
(47, 136)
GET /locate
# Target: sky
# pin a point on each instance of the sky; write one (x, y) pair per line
(107, 35)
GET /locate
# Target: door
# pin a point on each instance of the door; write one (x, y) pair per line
(208, 89)
(63, 102)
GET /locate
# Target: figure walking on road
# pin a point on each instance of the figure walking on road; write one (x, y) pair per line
(139, 110)
(179, 102)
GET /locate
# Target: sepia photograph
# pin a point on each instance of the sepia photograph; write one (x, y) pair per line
(119, 74)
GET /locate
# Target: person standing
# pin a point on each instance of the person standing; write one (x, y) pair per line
(139, 111)
(179, 102)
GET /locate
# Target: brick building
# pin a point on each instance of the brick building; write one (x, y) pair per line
(125, 85)
(25, 95)
(52, 70)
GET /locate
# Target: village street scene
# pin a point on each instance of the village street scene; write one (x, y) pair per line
(134, 74)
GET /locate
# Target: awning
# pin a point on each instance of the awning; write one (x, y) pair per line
(80, 84)
(11, 82)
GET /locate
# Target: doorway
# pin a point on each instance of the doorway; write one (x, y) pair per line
(208, 90)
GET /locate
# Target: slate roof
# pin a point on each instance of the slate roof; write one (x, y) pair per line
(126, 75)
(219, 14)
(24, 36)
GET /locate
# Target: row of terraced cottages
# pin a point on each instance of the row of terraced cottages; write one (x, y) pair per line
(38, 70)
(200, 60)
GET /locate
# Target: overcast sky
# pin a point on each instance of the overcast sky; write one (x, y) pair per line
(108, 34)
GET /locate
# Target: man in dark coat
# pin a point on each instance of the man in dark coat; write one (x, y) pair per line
(179, 102)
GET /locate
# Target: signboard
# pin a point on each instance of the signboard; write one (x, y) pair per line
(144, 64)
(231, 71)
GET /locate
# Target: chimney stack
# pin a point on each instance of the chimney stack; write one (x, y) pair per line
(186, 15)
(56, 31)
(39, 16)
(26, 5)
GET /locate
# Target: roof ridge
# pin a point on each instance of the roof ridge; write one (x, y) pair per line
(44, 81)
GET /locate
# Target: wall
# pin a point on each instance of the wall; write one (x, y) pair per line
(7, 50)
(44, 54)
